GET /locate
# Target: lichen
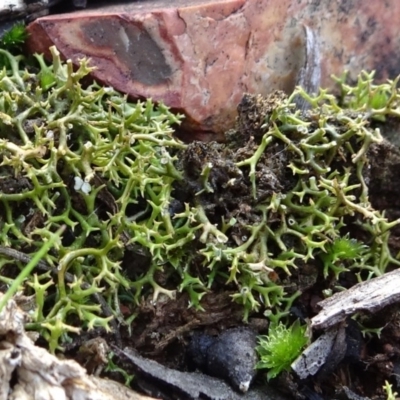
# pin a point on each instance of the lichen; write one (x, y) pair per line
(53, 134)
(295, 190)
(147, 215)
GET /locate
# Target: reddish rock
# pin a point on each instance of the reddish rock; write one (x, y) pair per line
(199, 56)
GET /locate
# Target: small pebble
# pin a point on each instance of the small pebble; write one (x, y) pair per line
(230, 356)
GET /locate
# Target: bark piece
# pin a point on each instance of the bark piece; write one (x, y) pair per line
(10, 358)
(315, 355)
(353, 396)
(370, 296)
(200, 56)
(37, 374)
(323, 355)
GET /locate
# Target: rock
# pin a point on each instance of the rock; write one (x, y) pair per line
(230, 356)
(233, 357)
(200, 56)
(198, 350)
(167, 383)
(23, 10)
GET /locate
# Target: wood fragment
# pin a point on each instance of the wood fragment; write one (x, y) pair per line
(369, 296)
(37, 374)
(323, 355)
(309, 77)
(315, 355)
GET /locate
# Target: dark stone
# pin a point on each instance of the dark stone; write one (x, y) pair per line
(233, 357)
(230, 356)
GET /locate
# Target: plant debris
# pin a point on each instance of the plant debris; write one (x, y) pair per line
(371, 296)
(28, 371)
(316, 356)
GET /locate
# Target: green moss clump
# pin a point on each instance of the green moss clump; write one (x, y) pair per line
(342, 254)
(281, 347)
(12, 41)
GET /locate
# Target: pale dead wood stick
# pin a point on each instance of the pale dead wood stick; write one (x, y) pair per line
(309, 77)
(370, 296)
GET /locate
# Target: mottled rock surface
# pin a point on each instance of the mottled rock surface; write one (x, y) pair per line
(200, 56)
(230, 356)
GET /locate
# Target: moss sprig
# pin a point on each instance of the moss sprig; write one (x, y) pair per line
(11, 41)
(281, 347)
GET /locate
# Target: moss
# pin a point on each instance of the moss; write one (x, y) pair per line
(281, 347)
(12, 40)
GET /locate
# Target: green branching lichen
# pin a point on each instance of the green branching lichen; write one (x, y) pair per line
(147, 215)
(308, 199)
(389, 391)
(378, 101)
(88, 159)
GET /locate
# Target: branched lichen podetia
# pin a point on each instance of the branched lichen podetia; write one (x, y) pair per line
(287, 191)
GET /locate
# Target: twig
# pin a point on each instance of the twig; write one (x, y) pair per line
(370, 296)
